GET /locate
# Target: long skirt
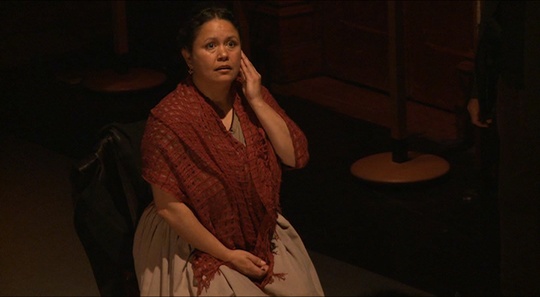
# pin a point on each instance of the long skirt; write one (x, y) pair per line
(162, 266)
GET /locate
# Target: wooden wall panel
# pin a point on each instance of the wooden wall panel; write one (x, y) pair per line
(34, 29)
(285, 39)
(439, 36)
(355, 41)
(348, 40)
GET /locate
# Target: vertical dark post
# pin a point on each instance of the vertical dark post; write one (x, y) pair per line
(120, 34)
(396, 71)
(400, 165)
(122, 77)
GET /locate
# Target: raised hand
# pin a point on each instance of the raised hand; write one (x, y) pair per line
(251, 79)
(274, 125)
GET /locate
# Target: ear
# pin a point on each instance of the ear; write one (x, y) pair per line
(187, 57)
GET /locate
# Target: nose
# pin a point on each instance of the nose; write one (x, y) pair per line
(223, 55)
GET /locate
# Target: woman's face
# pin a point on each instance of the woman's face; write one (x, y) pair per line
(216, 52)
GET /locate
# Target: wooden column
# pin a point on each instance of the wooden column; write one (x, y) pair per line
(399, 166)
(285, 40)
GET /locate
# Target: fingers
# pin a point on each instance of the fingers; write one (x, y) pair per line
(244, 59)
(480, 124)
(260, 263)
(473, 107)
(261, 268)
(476, 121)
(247, 67)
(251, 79)
(257, 261)
(244, 68)
(256, 270)
(260, 271)
(249, 264)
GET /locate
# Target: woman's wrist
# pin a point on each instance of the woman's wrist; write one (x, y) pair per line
(224, 254)
(256, 102)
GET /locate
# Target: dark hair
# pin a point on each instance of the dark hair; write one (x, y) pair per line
(188, 32)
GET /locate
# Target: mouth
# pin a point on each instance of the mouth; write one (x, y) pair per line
(223, 68)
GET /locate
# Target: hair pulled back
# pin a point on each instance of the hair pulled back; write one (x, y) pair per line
(191, 27)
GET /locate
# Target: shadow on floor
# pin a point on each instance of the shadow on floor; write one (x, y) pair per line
(440, 235)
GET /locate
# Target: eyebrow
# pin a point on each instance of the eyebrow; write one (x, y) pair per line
(227, 38)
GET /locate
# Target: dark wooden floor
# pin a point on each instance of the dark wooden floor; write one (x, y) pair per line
(376, 107)
(439, 236)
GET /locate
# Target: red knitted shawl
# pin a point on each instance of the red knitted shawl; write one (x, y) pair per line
(232, 188)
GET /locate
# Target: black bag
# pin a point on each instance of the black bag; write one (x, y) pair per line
(109, 195)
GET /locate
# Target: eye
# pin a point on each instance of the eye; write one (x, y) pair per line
(232, 43)
(211, 45)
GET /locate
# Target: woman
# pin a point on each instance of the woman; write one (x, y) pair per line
(212, 151)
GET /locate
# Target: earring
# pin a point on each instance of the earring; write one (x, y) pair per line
(190, 70)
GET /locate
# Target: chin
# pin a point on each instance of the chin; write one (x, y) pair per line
(225, 79)
(229, 77)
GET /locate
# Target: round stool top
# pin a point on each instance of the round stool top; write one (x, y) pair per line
(135, 79)
(380, 168)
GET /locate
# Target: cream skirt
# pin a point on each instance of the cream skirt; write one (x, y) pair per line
(163, 270)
